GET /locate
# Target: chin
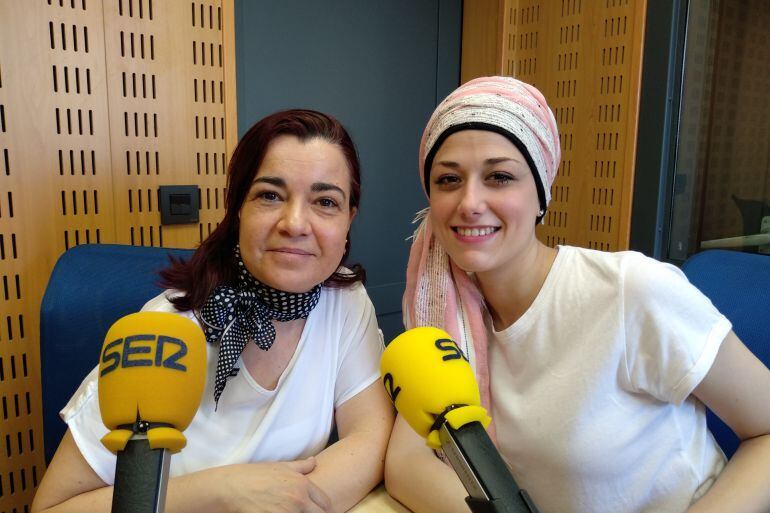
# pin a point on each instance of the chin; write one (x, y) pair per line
(470, 265)
(297, 286)
(286, 279)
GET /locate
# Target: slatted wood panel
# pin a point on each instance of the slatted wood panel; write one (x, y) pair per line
(100, 102)
(81, 175)
(482, 46)
(585, 56)
(167, 128)
(55, 193)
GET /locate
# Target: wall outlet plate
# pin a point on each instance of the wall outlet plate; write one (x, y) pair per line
(179, 204)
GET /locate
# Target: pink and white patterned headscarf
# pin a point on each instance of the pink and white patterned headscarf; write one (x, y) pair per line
(438, 293)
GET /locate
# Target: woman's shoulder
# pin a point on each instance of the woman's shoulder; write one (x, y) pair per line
(641, 272)
(347, 302)
(162, 303)
(642, 276)
(635, 272)
(621, 261)
(350, 292)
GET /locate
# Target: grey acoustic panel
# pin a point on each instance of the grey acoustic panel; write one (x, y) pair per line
(381, 68)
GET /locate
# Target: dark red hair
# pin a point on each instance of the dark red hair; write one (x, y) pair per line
(212, 263)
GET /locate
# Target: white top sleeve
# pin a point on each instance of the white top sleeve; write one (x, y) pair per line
(360, 349)
(672, 331)
(84, 422)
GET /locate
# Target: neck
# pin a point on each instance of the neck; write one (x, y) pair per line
(511, 291)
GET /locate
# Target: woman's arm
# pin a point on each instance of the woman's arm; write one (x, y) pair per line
(737, 389)
(350, 468)
(71, 485)
(417, 478)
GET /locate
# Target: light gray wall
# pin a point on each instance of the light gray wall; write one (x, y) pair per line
(380, 67)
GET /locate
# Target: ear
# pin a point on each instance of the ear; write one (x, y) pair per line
(353, 214)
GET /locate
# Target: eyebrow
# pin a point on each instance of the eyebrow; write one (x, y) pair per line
(487, 162)
(272, 180)
(323, 187)
(316, 187)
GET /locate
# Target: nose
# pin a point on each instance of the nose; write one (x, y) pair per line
(472, 201)
(294, 221)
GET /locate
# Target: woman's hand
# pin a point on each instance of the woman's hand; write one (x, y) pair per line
(271, 487)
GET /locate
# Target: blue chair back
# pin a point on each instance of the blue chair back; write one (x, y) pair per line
(739, 286)
(91, 287)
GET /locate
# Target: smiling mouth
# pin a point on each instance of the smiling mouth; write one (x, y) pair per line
(475, 232)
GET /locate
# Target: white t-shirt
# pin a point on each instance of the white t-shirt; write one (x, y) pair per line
(337, 357)
(591, 387)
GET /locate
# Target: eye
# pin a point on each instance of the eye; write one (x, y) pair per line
(328, 203)
(447, 180)
(500, 178)
(268, 196)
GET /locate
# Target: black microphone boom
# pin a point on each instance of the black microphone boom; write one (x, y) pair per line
(486, 478)
(141, 477)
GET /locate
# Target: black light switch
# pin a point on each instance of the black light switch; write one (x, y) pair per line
(178, 204)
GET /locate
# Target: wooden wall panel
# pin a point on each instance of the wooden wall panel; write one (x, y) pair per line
(55, 192)
(80, 176)
(78, 79)
(585, 56)
(168, 128)
(482, 33)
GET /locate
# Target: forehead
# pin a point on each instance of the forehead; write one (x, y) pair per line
(308, 161)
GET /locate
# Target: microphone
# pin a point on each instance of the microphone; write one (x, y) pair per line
(433, 387)
(152, 374)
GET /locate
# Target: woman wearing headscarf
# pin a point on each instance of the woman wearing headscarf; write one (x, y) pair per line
(594, 366)
(293, 344)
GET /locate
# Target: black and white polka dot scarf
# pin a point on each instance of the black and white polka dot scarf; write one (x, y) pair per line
(233, 316)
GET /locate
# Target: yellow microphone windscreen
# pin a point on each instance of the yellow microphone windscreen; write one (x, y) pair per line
(424, 372)
(153, 368)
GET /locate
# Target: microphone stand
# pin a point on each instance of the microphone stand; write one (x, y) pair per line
(478, 464)
(141, 474)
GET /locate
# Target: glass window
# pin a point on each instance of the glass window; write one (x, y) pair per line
(722, 172)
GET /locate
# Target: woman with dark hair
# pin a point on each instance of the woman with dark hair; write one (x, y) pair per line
(293, 344)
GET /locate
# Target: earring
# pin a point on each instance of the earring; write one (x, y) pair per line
(541, 213)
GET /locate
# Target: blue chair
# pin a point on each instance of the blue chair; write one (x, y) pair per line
(91, 287)
(739, 286)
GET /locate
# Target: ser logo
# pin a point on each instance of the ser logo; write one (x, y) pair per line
(448, 345)
(390, 387)
(128, 351)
